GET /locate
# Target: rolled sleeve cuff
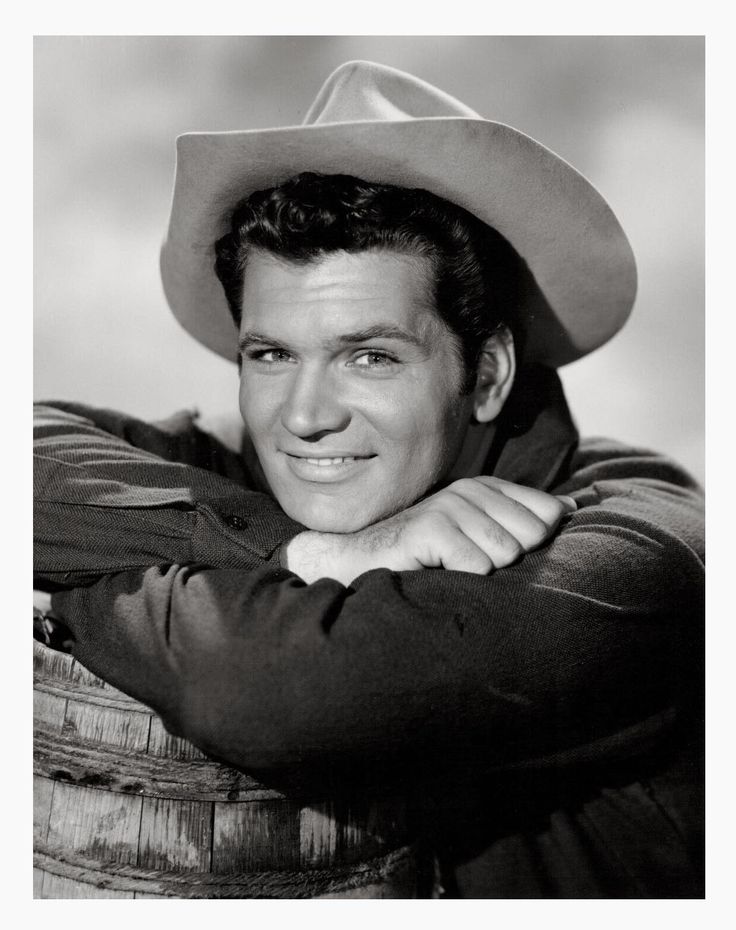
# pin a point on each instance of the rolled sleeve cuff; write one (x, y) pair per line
(241, 531)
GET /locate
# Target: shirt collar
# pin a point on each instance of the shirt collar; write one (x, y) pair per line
(535, 433)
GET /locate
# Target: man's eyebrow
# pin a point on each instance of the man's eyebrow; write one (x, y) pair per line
(378, 331)
(250, 338)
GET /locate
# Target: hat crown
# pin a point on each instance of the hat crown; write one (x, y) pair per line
(376, 123)
(363, 90)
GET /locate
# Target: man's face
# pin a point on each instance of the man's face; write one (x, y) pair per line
(350, 385)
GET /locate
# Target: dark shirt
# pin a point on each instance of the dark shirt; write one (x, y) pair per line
(546, 718)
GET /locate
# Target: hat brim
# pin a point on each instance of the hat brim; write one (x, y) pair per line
(583, 269)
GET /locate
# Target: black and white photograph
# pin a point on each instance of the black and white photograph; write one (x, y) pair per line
(369, 467)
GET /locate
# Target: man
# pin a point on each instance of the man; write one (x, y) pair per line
(414, 565)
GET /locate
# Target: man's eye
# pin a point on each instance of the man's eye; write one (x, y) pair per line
(269, 356)
(373, 360)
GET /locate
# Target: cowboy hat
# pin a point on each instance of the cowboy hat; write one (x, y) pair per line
(384, 125)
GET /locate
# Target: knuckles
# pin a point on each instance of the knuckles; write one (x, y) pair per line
(465, 485)
(438, 525)
(510, 552)
(537, 534)
(467, 557)
(434, 521)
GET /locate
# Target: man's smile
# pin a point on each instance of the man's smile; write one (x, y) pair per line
(329, 459)
(325, 467)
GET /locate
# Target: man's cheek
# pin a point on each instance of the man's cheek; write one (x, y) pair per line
(259, 425)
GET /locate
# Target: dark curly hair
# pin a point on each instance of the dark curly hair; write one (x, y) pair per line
(477, 273)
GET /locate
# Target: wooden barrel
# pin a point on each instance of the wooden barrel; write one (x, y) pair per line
(122, 809)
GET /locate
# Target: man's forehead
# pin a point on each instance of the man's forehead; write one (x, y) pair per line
(349, 292)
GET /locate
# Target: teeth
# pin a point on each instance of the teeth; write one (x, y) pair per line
(324, 462)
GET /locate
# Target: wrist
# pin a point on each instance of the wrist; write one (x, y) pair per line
(312, 555)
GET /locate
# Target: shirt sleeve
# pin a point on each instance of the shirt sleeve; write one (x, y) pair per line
(590, 645)
(114, 493)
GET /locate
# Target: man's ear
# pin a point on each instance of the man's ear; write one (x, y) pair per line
(496, 371)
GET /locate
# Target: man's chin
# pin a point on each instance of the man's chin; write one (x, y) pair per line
(343, 513)
(336, 520)
(333, 524)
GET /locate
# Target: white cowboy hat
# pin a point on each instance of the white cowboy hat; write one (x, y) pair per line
(383, 125)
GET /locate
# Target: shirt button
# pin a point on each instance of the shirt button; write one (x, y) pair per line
(236, 522)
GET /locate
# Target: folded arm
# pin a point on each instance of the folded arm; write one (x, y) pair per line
(590, 637)
(112, 492)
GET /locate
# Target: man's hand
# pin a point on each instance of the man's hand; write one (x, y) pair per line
(47, 627)
(474, 525)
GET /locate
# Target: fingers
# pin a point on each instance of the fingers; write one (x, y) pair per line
(528, 529)
(456, 551)
(528, 523)
(540, 502)
(464, 538)
(549, 508)
(474, 525)
(502, 541)
(42, 601)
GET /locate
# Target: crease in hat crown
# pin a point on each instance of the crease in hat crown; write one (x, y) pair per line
(362, 91)
(386, 126)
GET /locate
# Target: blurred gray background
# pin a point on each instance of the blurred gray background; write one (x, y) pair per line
(628, 112)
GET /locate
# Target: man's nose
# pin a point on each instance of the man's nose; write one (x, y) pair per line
(314, 405)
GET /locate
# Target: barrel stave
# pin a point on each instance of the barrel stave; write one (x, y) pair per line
(176, 834)
(101, 824)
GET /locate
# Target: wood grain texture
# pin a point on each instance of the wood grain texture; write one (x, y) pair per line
(43, 793)
(65, 758)
(162, 743)
(175, 835)
(100, 824)
(256, 835)
(90, 695)
(55, 886)
(397, 869)
(38, 877)
(58, 666)
(49, 711)
(62, 670)
(82, 676)
(318, 835)
(100, 724)
(348, 831)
